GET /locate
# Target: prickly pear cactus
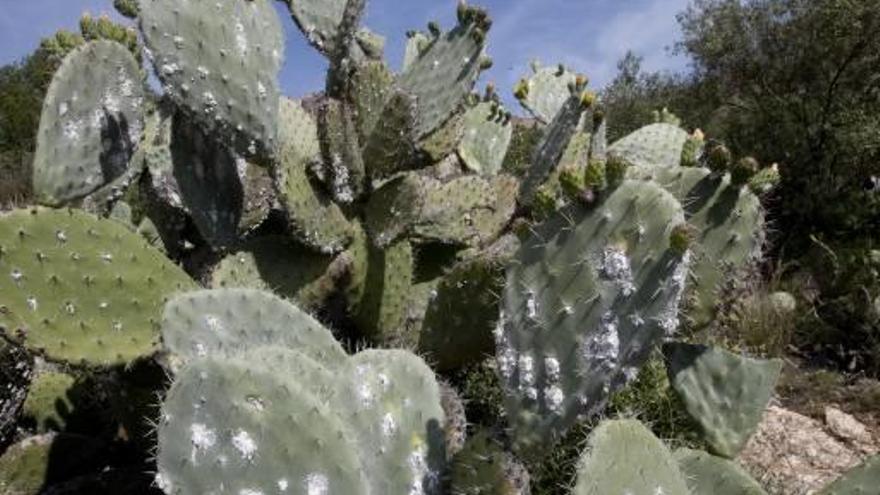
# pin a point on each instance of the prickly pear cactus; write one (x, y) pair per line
(345, 424)
(546, 91)
(487, 134)
(315, 220)
(725, 393)
(82, 290)
(445, 73)
(592, 292)
(710, 475)
(656, 145)
(729, 221)
(220, 62)
(91, 122)
(227, 322)
(623, 456)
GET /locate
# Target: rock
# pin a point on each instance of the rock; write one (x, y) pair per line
(791, 454)
(850, 430)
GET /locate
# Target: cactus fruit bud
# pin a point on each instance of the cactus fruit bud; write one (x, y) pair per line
(544, 203)
(690, 150)
(128, 8)
(588, 98)
(598, 117)
(615, 169)
(594, 177)
(765, 180)
(521, 90)
(581, 80)
(434, 29)
(486, 62)
(698, 135)
(572, 180)
(681, 238)
(743, 171)
(463, 12)
(560, 70)
(491, 94)
(719, 158)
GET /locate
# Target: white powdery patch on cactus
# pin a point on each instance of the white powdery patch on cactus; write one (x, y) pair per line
(282, 485)
(212, 323)
(506, 355)
(163, 483)
(364, 391)
(389, 425)
(202, 437)
(554, 397)
(317, 484)
(551, 369)
(602, 349)
(418, 466)
(245, 445)
(526, 368)
(674, 287)
(531, 305)
(241, 41)
(614, 266)
(249, 491)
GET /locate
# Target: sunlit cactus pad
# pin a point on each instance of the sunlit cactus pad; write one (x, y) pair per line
(592, 292)
(220, 61)
(655, 145)
(270, 393)
(724, 392)
(80, 289)
(710, 475)
(545, 92)
(487, 134)
(92, 119)
(623, 456)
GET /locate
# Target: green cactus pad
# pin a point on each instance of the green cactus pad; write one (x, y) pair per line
(276, 264)
(209, 178)
(49, 401)
(861, 480)
(398, 421)
(341, 151)
(80, 289)
(91, 122)
(416, 43)
(321, 20)
(487, 134)
(33, 464)
(730, 225)
(549, 152)
(484, 468)
(227, 322)
(389, 147)
(591, 293)
(316, 221)
(462, 313)
(725, 393)
(220, 61)
(444, 75)
(469, 210)
(624, 457)
(710, 475)
(656, 145)
(371, 86)
(230, 426)
(381, 311)
(547, 91)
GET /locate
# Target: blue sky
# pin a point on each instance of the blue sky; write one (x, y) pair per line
(588, 35)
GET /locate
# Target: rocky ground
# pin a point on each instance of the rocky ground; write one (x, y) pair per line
(819, 426)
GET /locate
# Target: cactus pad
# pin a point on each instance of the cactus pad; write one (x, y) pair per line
(468, 210)
(227, 322)
(729, 221)
(623, 456)
(80, 289)
(321, 20)
(276, 264)
(444, 75)
(546, 91)
(487, 134)
(592, 292)
(725, 393)
(710, 475)
(220, 61)
(316, 221)
(484, 468)
(656, 145)
(92, 119)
